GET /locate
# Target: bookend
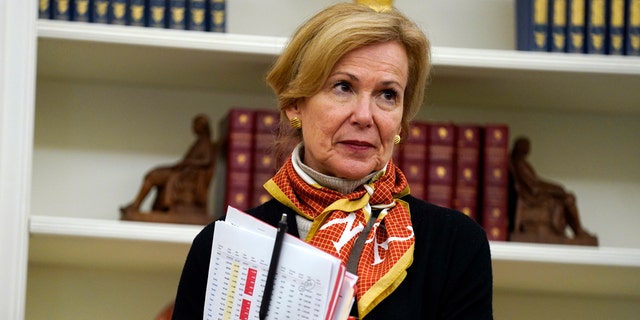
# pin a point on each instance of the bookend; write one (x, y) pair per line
(181, 189)
(544, 211)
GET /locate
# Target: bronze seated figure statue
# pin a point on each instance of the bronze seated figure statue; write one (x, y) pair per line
(544, 210)
(181, 189)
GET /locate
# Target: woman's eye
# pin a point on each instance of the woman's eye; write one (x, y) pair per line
(342, 86)
(389, 95)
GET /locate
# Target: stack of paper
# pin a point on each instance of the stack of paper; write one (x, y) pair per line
(309, 283)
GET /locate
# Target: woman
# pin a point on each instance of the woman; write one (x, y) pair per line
(348, 83)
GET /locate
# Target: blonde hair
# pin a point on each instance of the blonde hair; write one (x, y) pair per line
(319, 43)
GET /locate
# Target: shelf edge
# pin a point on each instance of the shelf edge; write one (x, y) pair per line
(170, 38)
(273, 46)
(535, 61)
(564, 254)
(102, 228)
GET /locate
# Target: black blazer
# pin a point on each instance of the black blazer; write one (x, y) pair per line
(450, 277)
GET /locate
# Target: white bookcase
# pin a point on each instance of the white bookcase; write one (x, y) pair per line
(112, 101)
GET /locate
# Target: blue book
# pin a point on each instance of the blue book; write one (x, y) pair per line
(44, 9)
(596, 26)
(178, 14)
(118, 12)
(576, 42)
(632, 38)
(197, 15)
(81, 10)
(615, 27)
(217, 16)
(158, 13)
(61, 9)
(532, 23)
(558, 18)
(100, 11)
(138, 13)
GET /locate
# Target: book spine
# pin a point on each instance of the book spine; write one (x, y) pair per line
(61, 9)
(596, 26)
(44, 9)
(236, 130)
(467, 164)
(138, 13)
(158, 13)
(532, 23)
(81, 10)
(100, 11)
(412, 158)
(558, 19)
(197, 15)
(266, 124)
(440, 164)
(576, 26)
(615, 27)
(495, 182)
(177, 14)
(118, 12)
(632, 47)
(217, 17)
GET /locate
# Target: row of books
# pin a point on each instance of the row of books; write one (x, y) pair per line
(463, 166)
(199, 15)
(579, 26)
(460, 166)
(245, 161)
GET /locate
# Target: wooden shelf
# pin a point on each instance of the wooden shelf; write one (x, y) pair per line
(237, 63)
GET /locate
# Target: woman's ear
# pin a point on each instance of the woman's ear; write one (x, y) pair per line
(294, 109)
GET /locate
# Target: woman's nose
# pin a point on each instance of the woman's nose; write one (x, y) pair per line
(362, 111)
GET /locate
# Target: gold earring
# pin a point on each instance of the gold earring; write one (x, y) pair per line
(295, 123)
(396, 139)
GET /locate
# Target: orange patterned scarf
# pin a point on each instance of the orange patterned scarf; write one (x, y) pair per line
(338, 220)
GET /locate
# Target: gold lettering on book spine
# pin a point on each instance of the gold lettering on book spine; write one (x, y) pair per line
(540, 18)
(82, 6)
(597, 20)
(177, 14)
(63, 6)
(101, 8)
(44, 5)
(617, 21)
(577, 19)
(218, 17)
(119, 9)
(559, 19)
(634, 22)
(136, 12)
(157, 13)
(197, 15)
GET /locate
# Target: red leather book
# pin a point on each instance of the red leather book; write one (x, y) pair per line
(467, 179)
(266, 125)
(234, 184)
(412, 158)
(495, 181)
(441, 163)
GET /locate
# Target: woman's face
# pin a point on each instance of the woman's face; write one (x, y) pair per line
(349, 125)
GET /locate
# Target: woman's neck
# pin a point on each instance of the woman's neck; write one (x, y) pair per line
(344, 186)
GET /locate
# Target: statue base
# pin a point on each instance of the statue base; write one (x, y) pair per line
(167, 217)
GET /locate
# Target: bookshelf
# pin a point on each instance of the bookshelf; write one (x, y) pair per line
(105, 94)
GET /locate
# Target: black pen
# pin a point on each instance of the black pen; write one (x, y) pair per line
(273, 266)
